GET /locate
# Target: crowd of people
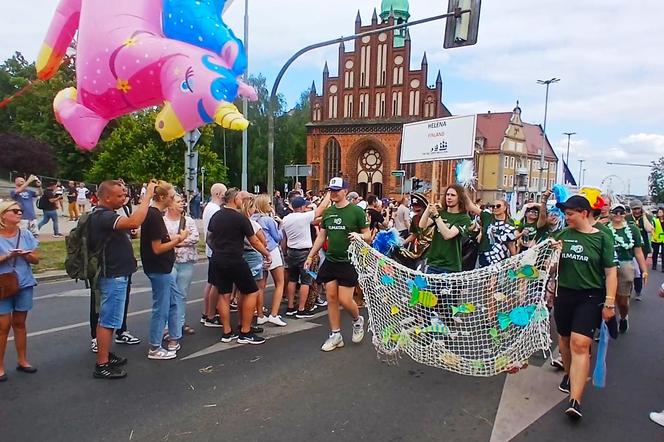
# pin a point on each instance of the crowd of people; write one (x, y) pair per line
(301, 242)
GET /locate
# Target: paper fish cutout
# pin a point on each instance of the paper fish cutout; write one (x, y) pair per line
(463, 308)
(519, 316)
(498, 296)
(478, 365)
(388, 269)
(457, 319)
(424, 297)
(495, 335)
(501, 362)
(528, 272)
(420, 282)
(387, 280)
(407, 321)
(541, 314)
(437, 328)
(394, 310)
(449, 359)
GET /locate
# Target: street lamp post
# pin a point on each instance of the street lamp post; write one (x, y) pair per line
(202, 183)
(546, 108)
(569, 135)
(581, 169)
(245, 103)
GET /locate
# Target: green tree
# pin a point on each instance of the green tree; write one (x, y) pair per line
(31, 114)
(135, 152)
(656, 181)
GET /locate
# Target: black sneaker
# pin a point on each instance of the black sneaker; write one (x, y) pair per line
(574, 410)
(564, 385)
(250, 338)
(255, 329)
(203, 318)
(623, 326)
(115, 360)
(303, 314)
(214, 322)
(228, 337)
(108, 371)
(557, 364)
(291, 311)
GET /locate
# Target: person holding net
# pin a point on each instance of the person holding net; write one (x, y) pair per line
(451, 221)
(341, 222)
(587, 281)
(498, 235)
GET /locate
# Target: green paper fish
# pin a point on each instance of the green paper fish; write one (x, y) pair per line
(495, 335)
(423, 297)
(528, 271)
(437, 328)
(463, 308)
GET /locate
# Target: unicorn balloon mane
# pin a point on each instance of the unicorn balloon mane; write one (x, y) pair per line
(135, 54)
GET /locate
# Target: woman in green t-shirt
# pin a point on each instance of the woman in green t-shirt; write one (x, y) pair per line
(629, 245)
(586, 294)
(451, 221)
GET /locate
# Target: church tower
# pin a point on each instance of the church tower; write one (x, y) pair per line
(398, 11)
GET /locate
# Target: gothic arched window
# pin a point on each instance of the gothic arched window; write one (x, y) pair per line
(332, 159)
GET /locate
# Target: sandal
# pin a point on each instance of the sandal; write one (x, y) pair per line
(3, 378)
(187, 330)
(29, 369)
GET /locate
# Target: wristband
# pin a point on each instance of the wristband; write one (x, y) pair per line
(308, 259)
(610, 307)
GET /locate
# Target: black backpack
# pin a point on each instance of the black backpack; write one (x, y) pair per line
(82, 263)
(41, 202)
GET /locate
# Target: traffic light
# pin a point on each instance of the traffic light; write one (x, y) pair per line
(416, 184)
(461, 28)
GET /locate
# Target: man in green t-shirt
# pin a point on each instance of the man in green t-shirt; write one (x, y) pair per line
(628, 246)
(451, 221)
(341, 222)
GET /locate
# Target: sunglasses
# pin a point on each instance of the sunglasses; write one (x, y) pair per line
(16, 211)
(618, 212)
(495, 206)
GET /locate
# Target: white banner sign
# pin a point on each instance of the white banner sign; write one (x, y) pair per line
(442, 139)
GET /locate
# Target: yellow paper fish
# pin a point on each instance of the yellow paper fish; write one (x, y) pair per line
(394, 310)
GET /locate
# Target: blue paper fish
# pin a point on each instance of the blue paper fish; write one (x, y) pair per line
(387, 280)
(520, 316)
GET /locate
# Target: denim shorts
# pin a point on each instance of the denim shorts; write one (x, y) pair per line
(20, 302)
(113, 295)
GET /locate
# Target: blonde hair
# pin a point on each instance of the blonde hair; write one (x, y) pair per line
(4, 207)
(247, 204)
(263, 204)
(162, 190)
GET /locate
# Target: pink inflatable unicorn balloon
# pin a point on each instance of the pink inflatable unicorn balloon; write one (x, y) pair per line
(124, 63)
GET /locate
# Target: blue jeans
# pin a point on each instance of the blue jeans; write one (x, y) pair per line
(113, 296)
(184, 273)
(165, 312)
(53, 216)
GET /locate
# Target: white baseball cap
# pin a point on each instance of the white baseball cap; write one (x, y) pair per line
(337, 183)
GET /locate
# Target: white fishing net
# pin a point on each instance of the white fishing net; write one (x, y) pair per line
(477, 323)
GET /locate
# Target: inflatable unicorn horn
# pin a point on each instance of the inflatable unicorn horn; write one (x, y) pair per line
(124, 63)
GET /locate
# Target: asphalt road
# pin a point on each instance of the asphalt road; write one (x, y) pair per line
(287, 389)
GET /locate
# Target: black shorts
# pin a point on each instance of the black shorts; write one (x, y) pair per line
(295, 259)
(578, 311)
(233, 273)
(212, 274)
(342, 272)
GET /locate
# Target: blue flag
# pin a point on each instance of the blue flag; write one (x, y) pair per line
(568, 178)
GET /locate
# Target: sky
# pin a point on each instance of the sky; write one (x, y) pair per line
(607, 54)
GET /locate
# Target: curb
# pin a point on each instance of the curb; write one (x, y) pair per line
(61, 275)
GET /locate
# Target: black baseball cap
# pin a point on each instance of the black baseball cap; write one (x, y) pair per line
(417, 199)
(576, 202)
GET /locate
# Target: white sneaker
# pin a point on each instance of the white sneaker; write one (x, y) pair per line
(261, 321)
(161, 354)
(93, 345)
(276, 320)
(334, 341)
(658, 418)
(358, 330)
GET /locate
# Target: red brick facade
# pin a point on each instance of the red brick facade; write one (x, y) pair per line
(356, 122)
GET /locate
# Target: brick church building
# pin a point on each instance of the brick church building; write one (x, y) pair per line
(356, 121)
